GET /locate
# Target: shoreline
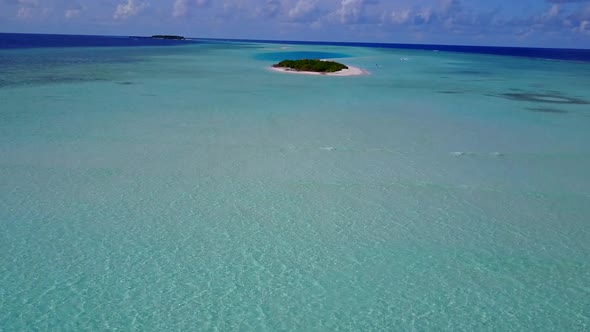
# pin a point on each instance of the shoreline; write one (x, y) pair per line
(351, 71)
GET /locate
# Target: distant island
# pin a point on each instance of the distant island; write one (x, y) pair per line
(168, 37)
(311, 65)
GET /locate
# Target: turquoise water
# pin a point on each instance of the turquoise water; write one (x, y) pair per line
(191, 188)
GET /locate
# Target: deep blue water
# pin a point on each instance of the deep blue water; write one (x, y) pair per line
(25, 40)
(541, 53)
(16, 41)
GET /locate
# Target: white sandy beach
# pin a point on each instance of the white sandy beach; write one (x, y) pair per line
(351, 71)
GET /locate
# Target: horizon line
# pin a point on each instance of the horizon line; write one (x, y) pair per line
(343, 43)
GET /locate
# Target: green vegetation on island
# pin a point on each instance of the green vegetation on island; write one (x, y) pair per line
(168, 37)
(312, 65)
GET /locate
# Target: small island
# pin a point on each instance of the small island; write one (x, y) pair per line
(317, 67)
(171, 37)
(311, 65)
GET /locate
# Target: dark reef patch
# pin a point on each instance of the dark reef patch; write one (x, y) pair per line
(451, 92)
(546, 110)
(549, 97)
(471, 72)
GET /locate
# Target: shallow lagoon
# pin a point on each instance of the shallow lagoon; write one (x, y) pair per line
(164, 188)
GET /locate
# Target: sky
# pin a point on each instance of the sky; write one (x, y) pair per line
(540, 23)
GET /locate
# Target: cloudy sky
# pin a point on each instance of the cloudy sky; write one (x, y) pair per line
(548, 23)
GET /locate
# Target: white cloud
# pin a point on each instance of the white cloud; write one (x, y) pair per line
(425, 15)
(447, 12)
(584, 27)
(129, 9)
(28, 9)
(29, 3)
(580, 20)
(270, 9)
(401, 16)
(554, 11)
(72, 13)
(180, 8)
(25, 13)
(350, 11)
(303, 10)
